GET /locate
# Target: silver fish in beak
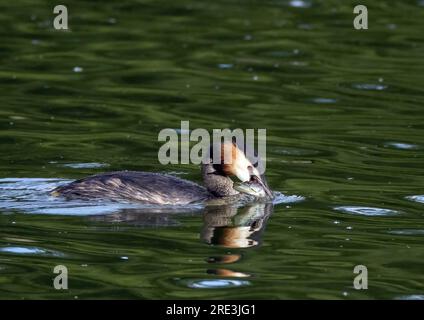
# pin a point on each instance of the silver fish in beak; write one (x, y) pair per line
(258, 180)
(255, 187)
(255, 177)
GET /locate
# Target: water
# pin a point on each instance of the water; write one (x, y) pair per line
(343, 113)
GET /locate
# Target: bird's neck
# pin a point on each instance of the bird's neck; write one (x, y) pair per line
(216, 183)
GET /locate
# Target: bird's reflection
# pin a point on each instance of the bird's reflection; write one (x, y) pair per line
(233, 227)
(148, 217)
(225, 226)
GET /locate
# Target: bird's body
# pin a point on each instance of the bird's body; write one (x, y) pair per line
(144, 187)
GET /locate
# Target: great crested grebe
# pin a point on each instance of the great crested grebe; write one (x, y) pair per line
(156, 188)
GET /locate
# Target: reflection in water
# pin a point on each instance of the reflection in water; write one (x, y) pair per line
(232, 227)
(147, 217)
(226, 226)
(228, 273)
(228, 258)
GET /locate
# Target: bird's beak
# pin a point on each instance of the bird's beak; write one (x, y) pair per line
(255, 176)
(264, 186)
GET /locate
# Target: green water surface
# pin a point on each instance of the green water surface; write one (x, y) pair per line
(344, 113)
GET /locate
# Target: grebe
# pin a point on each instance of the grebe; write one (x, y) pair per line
(156, 188)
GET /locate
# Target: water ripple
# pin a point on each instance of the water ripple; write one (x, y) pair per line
(411, 297)
(408, 232)
(30, 251)
(401, 145)
(216, 283)
(281, 198)
(87, 165)
(366, 211)
(416, 198)
(369, 86)
(324, 100)
(296, 151)
(300, 4)
(30, 184)
(225, 66)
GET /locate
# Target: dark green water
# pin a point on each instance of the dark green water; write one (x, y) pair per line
(344, 115)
